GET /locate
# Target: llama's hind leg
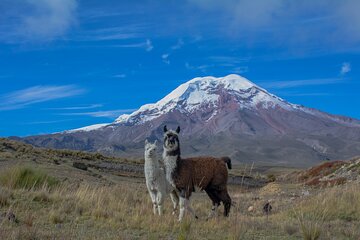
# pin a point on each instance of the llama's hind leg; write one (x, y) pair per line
(185, 204)
(215, 200)
(225, 198)
(175, 200)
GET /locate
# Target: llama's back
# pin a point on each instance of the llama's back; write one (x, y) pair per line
(205, 170)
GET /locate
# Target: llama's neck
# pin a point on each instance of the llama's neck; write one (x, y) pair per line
(151, 161)
(171, 160)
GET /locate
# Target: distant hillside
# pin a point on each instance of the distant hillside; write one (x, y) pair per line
(329, 173)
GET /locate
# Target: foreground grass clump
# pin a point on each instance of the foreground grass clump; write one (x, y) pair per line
(5, 195)
(332, 205)
(25, 178)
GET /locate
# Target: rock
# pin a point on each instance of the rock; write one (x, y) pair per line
(251, 209)
(305, 193)
(267, 208)
(80, 165)
(58, 226)
(9, 216)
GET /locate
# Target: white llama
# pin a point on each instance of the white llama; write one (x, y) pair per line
(156, 182)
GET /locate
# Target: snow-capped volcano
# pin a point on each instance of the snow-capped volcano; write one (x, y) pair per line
(206, 92)
(222, 116)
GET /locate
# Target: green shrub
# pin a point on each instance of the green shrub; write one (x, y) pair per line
(26, 177)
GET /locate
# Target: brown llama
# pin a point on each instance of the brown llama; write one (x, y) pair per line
(207, 173)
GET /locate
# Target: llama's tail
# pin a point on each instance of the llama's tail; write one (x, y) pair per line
(227, 160)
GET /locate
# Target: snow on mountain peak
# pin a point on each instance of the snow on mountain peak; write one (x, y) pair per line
(202, 91)
(207, 94)
(87, 128)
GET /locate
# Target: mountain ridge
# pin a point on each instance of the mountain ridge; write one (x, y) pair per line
(222, 116)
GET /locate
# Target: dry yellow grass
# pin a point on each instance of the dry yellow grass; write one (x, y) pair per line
(124, 211)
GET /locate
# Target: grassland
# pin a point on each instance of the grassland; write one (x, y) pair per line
(41, 199)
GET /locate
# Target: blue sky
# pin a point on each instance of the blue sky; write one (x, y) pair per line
(65, 64)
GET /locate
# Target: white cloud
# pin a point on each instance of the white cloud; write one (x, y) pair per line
(300, 25)
(149, 45)
(178, 45)
(37, 94)
(299, 83)
(48, 122)
(165, 58)
(203, 68)
(240, 70)
(78, 107)
(47, 19)
(120, 75)
(123, 32)
(228, 59)
(345, 68)
(109, 113)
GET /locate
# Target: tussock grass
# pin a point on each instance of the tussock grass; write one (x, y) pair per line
(26, 178)
(5, 196)
(340, 202)
(311, 224)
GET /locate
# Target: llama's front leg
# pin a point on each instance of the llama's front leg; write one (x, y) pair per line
(175, 200)
(153, 200)
(155, 208)
(182, 208)
(159, 200)
(189, 208)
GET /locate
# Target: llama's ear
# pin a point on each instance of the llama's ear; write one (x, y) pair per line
(165, 129)
(178, 129)
(155, 142)
(146, 141)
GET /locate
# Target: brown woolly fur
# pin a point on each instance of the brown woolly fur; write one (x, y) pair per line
(203, 172)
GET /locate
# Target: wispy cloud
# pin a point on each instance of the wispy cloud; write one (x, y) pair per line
(109, 113)
(48, 122)
(125, 32)
(149, 45)
(92, 106)
(297, 94)
(178, 45)
(345, 68)
(37, 94)
(203, 68)
(228, 59)
(299, 83)
(240, 70)
(122, 75)
(38, 20)
(300, 25)
(165, 58)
